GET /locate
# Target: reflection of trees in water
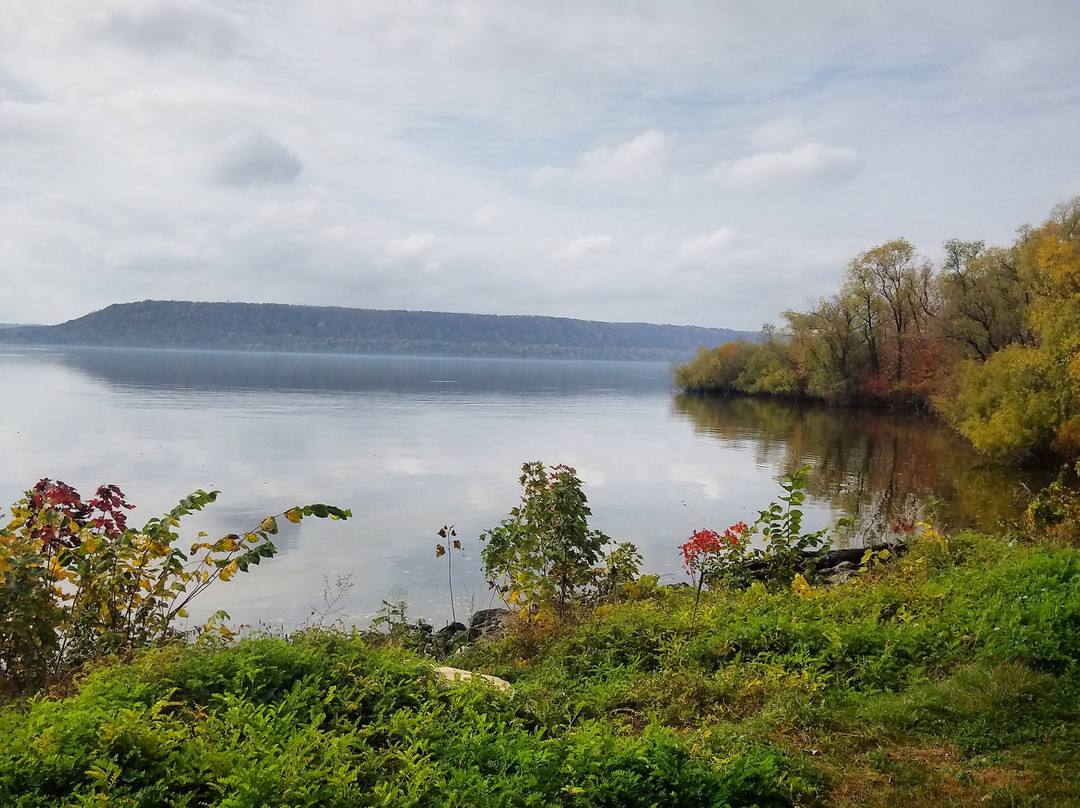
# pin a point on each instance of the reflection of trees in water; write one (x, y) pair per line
(871, 465)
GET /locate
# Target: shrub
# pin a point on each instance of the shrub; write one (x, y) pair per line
(543, 556)
(76, 583)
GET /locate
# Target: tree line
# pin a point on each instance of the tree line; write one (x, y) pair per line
(336, 329)
(989, 339)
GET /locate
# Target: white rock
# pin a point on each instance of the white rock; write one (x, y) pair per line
(459, 675)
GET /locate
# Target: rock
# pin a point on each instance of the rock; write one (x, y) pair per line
(487, 622)
(454, 675)
(840, 576)
(450, 630)
(825, 562)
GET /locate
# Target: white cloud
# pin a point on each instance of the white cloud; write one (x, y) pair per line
(548, 175)
(1010, 57)
(812, 163)
(487, 215)
(585, 246)
(384, 123)
(705, 247)
(640, 158)
(779, 133)
(413, 246)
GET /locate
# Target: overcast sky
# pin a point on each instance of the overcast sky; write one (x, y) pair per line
(684, 161)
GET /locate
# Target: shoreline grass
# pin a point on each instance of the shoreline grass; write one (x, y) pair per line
(946, 677)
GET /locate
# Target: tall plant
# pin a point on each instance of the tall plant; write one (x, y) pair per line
(77, 583)
(448, 534)
(786, 548)
(544, 555)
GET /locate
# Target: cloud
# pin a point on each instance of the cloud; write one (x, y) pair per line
(397, 121)
(637, 160)
(413, 246)
(255, 159)
(585, 246)
(487, 215)
(640, 158)
(171, 27)
(547, 175)
(811, 163)
(704, 247)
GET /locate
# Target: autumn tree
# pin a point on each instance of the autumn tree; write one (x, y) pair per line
(1024, 400)
(895, 306)
(828, 345)
(983, 298)
(716, 369)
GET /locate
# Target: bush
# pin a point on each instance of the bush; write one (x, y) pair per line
(543, 556)
(77, 584)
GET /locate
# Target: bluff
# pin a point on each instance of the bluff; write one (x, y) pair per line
(332, 329)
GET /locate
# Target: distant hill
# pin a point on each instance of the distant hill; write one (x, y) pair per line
(325, 329)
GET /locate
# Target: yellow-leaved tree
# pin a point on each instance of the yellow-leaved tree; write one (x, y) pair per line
(1024, 400)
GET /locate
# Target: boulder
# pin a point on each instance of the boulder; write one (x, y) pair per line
(487, 622)
(451, 629)
(454, 675)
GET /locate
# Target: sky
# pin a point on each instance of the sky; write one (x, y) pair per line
(697, 162)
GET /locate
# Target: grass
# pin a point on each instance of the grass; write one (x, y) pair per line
(948, 677)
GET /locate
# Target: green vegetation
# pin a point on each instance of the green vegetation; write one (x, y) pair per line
(543, 556)
(77, 584)
(991, 340)
(945, 676)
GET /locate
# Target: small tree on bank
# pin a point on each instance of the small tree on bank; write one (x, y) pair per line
(543, 556)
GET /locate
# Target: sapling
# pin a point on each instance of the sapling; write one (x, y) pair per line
(449, 535)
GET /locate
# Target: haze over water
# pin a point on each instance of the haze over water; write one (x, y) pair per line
(410, 444)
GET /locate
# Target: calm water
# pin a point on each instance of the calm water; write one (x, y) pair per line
(410, 444)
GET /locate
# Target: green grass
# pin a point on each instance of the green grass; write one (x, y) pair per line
(949, 677)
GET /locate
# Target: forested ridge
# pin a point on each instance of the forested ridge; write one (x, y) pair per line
(990, 340)
(284, 327)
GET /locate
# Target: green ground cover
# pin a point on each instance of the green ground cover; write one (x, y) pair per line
(948, 676)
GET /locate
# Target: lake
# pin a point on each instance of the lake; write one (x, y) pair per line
(410, 444)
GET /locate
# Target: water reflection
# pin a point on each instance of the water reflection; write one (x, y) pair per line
(874, 466)
(322, 373)
(411, 444)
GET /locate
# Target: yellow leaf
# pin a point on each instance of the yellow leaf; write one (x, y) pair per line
(229, 570)
(293, 515)
(269, 524)
(801, 587)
